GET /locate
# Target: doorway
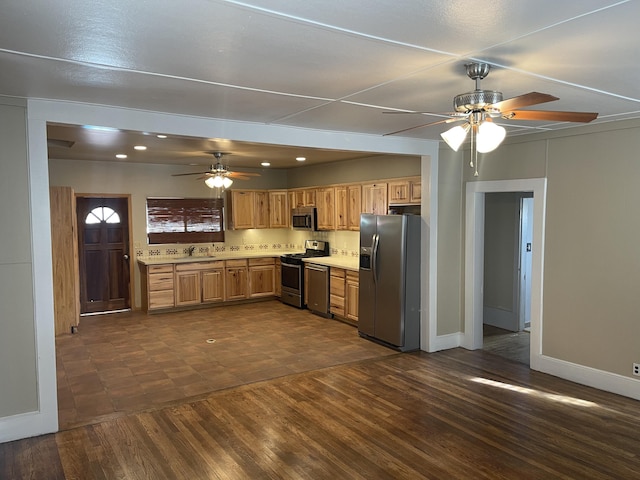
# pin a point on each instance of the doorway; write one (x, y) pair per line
(474, 260)
(507, 271)
(103, 254)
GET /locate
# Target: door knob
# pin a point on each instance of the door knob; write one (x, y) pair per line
(125, 256)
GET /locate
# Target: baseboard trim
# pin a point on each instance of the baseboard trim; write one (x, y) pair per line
(26, 425)
(591, 377)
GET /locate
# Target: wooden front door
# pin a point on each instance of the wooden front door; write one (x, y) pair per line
(103, 244)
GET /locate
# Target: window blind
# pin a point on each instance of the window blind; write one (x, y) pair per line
(185, 220)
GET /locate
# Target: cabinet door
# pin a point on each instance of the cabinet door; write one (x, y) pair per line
(351, 296)
(261, 209)
(278, 285)
(309, 197)
(399, 192)
(187, 288)
(374, 198)
(242, 209)
(262, 281)
(326, 207)
(342, 208)
(354, 198)
(416, 191)
(278, 209)
(213, 285)
(235, 283)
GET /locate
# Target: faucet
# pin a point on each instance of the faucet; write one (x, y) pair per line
(191, 249)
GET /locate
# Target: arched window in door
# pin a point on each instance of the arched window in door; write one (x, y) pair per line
(102, 214)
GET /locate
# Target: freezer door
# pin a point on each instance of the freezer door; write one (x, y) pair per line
(390, 277)
(367, 297)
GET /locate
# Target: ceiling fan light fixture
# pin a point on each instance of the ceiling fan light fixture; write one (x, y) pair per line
(455, 136)
(489, 137)
(226, 182)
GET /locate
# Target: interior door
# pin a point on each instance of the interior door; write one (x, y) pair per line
(103, 245)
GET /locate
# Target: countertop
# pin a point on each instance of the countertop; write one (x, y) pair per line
(348, 263)
(339, 261)
(211, 258)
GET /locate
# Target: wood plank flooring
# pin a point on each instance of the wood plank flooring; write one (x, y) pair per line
(455, 414)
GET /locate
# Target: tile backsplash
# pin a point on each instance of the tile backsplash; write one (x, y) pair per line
(256, 241)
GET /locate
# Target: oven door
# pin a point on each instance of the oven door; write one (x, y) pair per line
(292, 277)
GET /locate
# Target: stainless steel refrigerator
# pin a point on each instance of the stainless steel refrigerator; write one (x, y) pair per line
(389, 305)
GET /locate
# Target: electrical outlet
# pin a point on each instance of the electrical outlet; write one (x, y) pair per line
(636, 369)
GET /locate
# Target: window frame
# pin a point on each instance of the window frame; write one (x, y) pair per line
(163, 211)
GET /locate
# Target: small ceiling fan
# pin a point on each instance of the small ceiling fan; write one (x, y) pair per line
(219, 175)
(477, 110)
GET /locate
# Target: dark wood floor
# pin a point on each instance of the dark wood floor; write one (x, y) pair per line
(452, 414)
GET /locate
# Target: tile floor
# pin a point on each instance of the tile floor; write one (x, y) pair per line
(130, 362)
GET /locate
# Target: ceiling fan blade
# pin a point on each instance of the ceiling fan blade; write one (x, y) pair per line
(551, 115)
(526, 100)
(448, 120)
(183, 174)
(244, 174)
(239, 177)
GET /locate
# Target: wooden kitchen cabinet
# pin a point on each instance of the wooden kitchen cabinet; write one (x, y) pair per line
(374, 198)
(326, 208)
(240, 205)
(342, 208)
(337, 291)
(279, 211)
(236, 275)
(403, 192)
(354, 206)
(248, 209)
(352, 295)
(278, 286)
(187, 288)
(157, 284)
(261, 209)
(212, 281)
(262, 277)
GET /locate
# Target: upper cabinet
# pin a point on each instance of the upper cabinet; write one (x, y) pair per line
(348, 207)
(302, 197)
(374, 198)
(247, 209)
(406, 191)
(326, 206)
(279, 211)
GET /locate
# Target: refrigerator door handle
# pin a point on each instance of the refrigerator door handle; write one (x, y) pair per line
(374, 257)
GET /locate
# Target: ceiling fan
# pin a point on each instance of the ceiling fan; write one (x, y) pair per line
(219, 175)
(477, 110)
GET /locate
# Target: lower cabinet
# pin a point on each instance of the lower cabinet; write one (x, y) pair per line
(262, 277)
(352, 295)
(344, 291)
(158, 287)
(236, 274)
(199, 282)
(183, 284)
(278, 287)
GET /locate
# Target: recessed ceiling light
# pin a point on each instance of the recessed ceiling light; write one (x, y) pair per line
(121, 155)
(161, 136)
(301, 159)
(265, 164)
(140, 147)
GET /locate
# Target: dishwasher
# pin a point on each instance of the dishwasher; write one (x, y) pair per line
(318, 290)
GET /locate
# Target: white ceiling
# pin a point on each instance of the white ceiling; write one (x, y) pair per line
(317, 64)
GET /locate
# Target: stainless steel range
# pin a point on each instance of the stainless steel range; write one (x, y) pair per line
(293, 271)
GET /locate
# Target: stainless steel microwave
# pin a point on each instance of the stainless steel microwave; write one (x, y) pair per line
(304, 218)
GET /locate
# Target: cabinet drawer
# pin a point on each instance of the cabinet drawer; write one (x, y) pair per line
(197, 266)
(160, 268)
(262, 261)
(236, 263)
(161, 299)
(336, 305)
(336, 286)
(353, 276)
(337, 272)
(160, 281)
